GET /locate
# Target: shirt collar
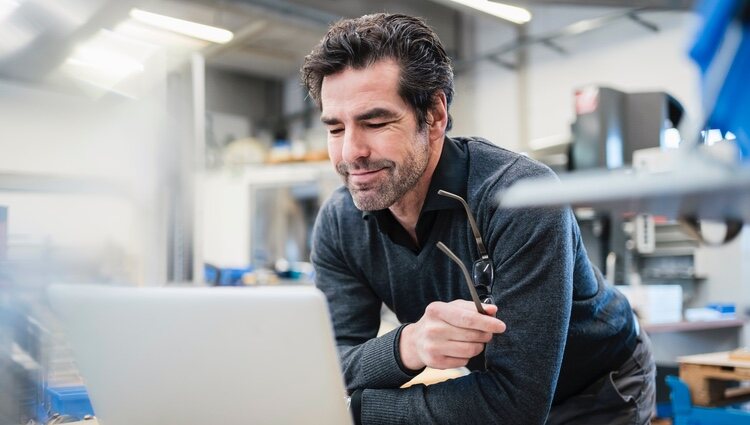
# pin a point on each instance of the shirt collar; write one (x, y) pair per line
(450, 175)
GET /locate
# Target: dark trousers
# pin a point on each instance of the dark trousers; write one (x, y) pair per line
(624, 396)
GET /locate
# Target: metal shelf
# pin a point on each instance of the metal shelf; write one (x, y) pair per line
(674, 276)
(669, 252)
(49, 183)
(699, 188)
(693, 326)
(673, 236)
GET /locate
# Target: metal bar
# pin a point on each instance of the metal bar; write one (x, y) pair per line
(503, 63)
(554, 46)
(198, 74)
(244, 35)
(295, 10)
(577, 28)
(646, 24)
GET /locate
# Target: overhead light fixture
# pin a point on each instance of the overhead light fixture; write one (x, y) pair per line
(105, 61)
(7, 7)
(165, 39)
(108, 60)
(517, 15)
(180, 26)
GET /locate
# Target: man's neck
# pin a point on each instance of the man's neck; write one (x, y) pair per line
(407, 209)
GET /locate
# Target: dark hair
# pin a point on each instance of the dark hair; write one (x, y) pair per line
(359, 43)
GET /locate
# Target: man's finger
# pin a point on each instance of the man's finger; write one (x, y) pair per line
(490, 309)
(468, 335)
(470, 319)
(463, 350)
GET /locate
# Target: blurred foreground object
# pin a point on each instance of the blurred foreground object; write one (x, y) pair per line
(722, 51)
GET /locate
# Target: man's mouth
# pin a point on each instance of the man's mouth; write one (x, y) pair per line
(363, 177)
(363, 172)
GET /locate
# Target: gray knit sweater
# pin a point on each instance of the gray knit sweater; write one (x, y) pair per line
(566, 327)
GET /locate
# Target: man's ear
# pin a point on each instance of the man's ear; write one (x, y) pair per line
(437, 116)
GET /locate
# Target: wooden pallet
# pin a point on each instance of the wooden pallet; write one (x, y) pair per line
(712, 378)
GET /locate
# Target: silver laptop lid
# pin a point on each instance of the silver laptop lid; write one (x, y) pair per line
(195, 356)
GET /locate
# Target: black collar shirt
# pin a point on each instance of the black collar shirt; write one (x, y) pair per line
(449, 175)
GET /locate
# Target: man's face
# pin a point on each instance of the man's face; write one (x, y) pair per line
(373, 139)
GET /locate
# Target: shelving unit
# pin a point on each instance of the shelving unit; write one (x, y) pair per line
(694, 326)
(11, 181)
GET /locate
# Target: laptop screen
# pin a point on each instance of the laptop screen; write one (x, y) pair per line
(262, 355)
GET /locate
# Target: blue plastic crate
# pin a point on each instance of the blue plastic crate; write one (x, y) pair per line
(224, 276)
(70, 401)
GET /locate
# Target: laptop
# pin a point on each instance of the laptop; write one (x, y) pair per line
(200, 356)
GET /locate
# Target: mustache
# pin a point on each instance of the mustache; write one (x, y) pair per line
(344, 168)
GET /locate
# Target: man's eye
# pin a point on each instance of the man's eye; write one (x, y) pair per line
(335, 131)
(377, 124)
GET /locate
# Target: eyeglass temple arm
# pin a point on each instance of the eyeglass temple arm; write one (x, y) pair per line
(474, 295)
(472, 223)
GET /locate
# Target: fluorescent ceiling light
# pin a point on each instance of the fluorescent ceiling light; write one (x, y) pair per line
(192, 29)
(7, 7)
(108, 60)
(517, 15)
(105, 61)
(112, 53)
(166, 39)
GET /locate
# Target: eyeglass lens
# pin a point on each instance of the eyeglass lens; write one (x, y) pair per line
(483, 276)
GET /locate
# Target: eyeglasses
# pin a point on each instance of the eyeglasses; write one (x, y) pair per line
(482, 276)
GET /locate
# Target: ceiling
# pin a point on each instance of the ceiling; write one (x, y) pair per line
(279, 34)
(652, 4)
(271, 37)
(38, 35)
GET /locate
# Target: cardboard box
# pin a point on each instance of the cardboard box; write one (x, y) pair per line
(655, 303)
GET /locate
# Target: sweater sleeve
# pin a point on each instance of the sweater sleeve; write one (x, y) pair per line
(533, 257)
(367, 361)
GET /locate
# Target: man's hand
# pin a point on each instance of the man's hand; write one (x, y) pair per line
(448, 335)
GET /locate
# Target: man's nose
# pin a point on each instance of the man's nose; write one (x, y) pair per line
(355, 145)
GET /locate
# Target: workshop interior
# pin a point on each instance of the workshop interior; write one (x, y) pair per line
(171, 143)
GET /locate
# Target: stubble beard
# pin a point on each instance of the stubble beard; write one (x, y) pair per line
(399, 178)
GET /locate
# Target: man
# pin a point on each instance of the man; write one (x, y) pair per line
(567, 349)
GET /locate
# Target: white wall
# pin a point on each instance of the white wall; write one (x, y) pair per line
(728, 271)
(485, 105)
(115, 141)
(622, 55)
(486, 99)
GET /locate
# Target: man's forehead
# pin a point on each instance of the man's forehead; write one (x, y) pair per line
(382, 75)
(357, 91)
